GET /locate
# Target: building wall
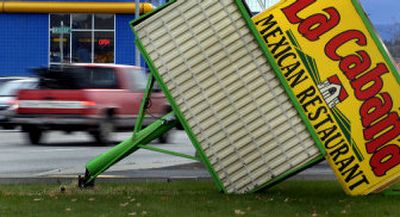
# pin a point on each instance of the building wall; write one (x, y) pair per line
(23, 42)
(125, 46)
(154, 2)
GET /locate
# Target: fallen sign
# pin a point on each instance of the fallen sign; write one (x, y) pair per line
(344, 81)
(223, 91)
(211, 67)
(254, 103)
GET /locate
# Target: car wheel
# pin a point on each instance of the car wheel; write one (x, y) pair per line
(163, 139)
(34, 135)
(9, 127)
(103, 133)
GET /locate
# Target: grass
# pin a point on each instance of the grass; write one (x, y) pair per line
(292, 198)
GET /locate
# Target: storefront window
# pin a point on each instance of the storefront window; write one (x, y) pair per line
(104, 21)
(59, 41)
(56, 19)
(55, 48)
(82, 38)
(104, 47)
(81, 21)
(82, 47)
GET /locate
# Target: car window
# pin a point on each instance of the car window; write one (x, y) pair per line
(102, 78)
(28, 85)
(73, 77)
(137, 80)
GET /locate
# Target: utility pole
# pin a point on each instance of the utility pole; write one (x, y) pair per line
(61, 43)
(137, 14)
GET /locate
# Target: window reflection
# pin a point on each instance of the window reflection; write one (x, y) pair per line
(104, 47)
(104, 21)
(88, 38)
(55, 20)
(55, 53)
(82, 21)
(82, 47)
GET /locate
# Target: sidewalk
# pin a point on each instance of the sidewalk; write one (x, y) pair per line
(192, 171)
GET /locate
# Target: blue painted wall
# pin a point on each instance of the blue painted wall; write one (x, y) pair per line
(125, 41)
(154, 2)
(23, 43)
(125, 46)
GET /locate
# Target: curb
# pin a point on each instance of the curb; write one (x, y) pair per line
(124, 179)
(114, 179)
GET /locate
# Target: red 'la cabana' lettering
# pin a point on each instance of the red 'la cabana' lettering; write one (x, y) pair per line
(381, 124)
(315, 25)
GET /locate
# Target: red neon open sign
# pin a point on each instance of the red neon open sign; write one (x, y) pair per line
(104, 42)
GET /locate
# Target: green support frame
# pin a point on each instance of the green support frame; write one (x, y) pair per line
(143, 106)
(140, 139)
(100, 164)
(244, 10)
(393, 191)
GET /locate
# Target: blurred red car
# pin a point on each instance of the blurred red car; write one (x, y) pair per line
(96, 98)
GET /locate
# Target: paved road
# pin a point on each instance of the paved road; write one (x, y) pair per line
(67, 154)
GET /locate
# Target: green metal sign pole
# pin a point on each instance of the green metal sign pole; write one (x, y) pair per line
(393, 191)
(139, 139)
(100, 164)
(144, 104)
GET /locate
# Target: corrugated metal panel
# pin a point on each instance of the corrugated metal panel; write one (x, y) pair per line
(227, 92)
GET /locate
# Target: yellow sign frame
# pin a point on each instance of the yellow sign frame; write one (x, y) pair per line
(343, 81)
